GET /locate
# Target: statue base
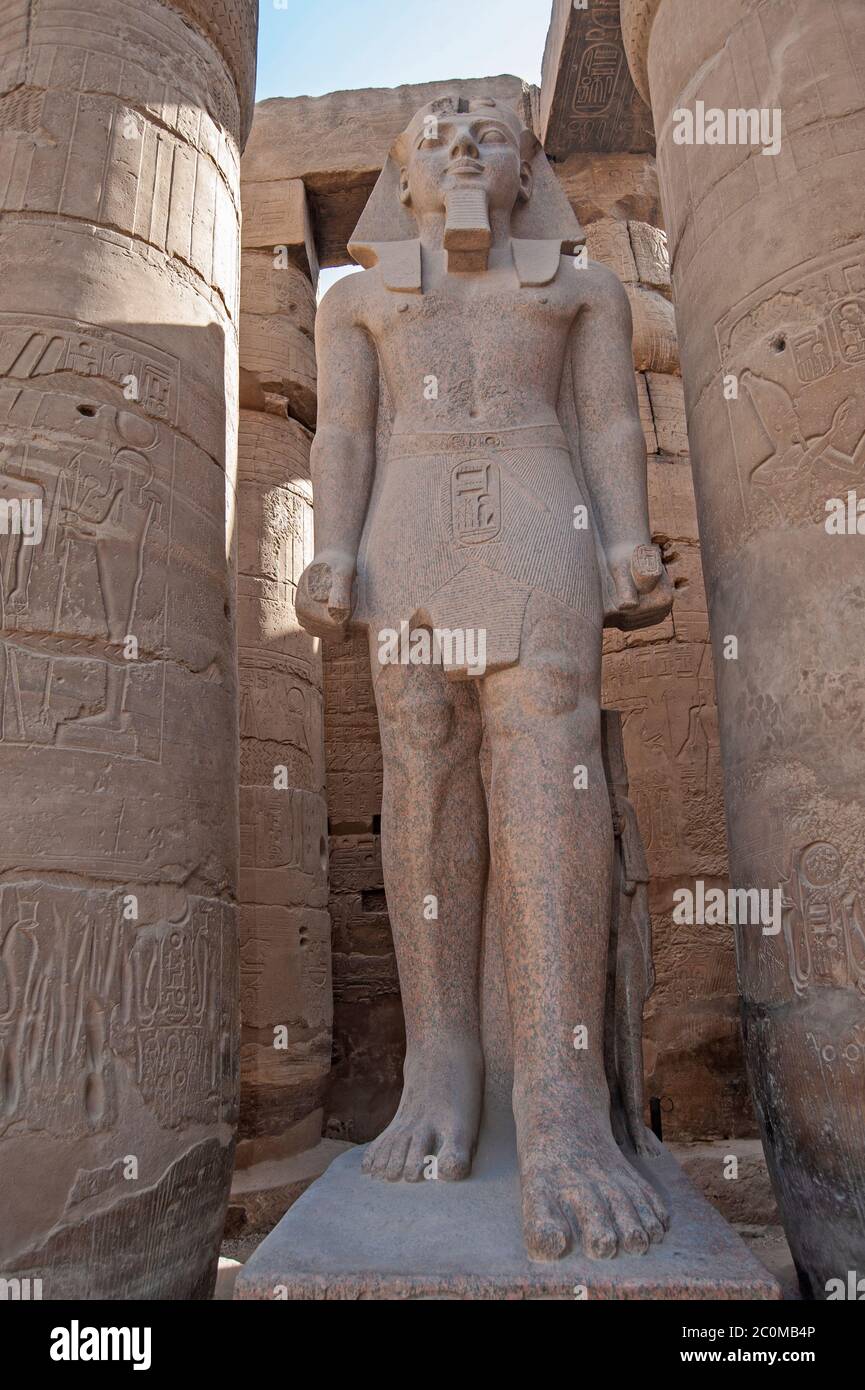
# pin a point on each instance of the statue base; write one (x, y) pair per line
(354, 1237)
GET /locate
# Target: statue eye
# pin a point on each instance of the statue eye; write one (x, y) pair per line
(429, 143)
(493, 137)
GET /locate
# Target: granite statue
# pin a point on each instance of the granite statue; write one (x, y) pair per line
(479, 476)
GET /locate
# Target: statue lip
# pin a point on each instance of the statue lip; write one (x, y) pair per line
(465, 166)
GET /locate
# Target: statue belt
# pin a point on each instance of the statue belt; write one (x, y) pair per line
(476, 442)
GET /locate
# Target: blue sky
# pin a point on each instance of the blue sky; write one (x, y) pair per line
(308, 47)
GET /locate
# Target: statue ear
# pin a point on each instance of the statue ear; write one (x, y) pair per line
(527, 181)
(529, 145)
(404, 195)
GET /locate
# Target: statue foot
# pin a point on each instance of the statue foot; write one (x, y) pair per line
(438, 1118)
(647, 1144)
(576, 1183)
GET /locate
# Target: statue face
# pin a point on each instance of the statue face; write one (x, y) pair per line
(475, 150)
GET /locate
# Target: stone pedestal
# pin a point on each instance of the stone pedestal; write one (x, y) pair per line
(122, 125)
(350, 1236)
(769, 284)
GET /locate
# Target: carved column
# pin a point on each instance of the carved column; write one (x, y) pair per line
(662, 683)
(121, 124)
(599, 131)
(769, 280)
(286, 992)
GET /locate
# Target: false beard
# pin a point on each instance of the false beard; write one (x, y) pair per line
(468, 235)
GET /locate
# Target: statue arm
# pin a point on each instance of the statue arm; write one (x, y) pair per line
(613, 450)
(342, 461)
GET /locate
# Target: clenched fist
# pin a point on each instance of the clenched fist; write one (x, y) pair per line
(324, 594)
(641, 592)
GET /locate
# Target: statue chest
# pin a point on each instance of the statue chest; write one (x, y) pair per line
(474, 328)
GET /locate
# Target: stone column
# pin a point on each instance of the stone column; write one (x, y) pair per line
(121, 124)
(661, 681)
(769, 284)
(286, 990)
(599, 131)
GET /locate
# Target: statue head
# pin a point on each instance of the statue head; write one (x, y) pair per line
(467, 158)
(463, 145)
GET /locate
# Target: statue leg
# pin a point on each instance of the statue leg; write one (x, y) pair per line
(434, 855)
(552, 849)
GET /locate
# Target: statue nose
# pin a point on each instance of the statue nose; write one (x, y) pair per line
(464, 148)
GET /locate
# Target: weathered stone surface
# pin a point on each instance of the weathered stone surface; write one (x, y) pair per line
(621, 186)
(346, 1238)
(118, 376)
(607, 241)
(656, 350)
(232, 27)
(732, 1175)
(262, 1194)
(286, 990)
(338, 143)
(651, 256)
(273, 288)
(647, 420)
(768, 256)
(668, 410)
(352, 744)
(588, 100)
(280, 357)
(369, 1033)
(276, 218)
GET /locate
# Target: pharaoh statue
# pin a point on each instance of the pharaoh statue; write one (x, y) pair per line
(480, 468)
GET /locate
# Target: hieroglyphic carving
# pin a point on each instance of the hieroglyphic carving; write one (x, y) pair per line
(89, 999)
(177, 1226)
(824, 925)
(796, 348)
(103, 476)
(588, 101)
(119, 174)
(769, 287)
(476, 500)
(80, 116)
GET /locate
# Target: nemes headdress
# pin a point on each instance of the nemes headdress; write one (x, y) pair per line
(542, 228)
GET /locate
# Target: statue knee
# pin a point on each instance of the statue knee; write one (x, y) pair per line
(413, 719)
(540, 700)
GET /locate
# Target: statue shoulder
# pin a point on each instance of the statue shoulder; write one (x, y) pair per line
(347, 300)
(601, 288)
(600, 293)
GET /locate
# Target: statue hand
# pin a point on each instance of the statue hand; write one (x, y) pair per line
(324, 594)
(642, 594)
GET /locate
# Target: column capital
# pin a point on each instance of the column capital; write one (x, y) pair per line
(637, 18)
